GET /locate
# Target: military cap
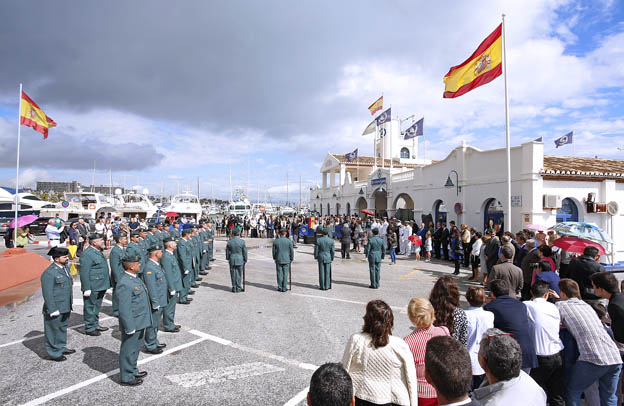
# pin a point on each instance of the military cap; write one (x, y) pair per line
(95, 236)
(58, 252)
(151, 226)
(236, 231)
(167, 239)
(131, 258)
(135, 233)
(119, 236)
(186, 231)
(154, 248)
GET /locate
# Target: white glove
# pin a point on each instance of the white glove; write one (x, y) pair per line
(131, 332)
(186, 272)
(157, 307)
(54, 314)
(204, 251)
(173, 292)
(86, 293)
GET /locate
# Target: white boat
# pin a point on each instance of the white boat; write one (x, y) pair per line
(239, 208)
(286, 211)
(35, 202)
(83, 204)
(211, 210)
(185, 204)
(135, 205)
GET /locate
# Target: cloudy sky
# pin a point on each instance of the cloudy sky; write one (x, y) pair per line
(165, 92)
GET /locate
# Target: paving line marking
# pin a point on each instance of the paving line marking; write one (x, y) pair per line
(98, 378)
(401, 309)
(261, 353)
(299, 397)
(223, 374)
(41, 335)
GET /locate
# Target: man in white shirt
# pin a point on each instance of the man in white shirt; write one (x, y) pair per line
(406, 235)
(479, 321)
(383, 232)
(53, 233)
(544, 322)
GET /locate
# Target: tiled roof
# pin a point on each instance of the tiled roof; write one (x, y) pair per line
(563, 166)
(369, 161)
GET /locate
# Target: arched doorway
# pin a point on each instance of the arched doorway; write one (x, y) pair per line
(405, 153)
(568, 211)
(381, 202)
(360, 205)
(348, 209)
(439, 209)
(493, 213)
(404, 206)
(337, 209)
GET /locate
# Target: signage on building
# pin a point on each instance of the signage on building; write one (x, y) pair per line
(378, 181)
(527, 218)
(65, 204)
(516, 201)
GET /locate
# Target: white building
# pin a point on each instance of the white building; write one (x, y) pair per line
(545, 189)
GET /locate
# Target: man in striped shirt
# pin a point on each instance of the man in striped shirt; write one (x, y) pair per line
(599, 358)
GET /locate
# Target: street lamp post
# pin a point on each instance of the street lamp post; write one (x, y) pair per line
(449, 182)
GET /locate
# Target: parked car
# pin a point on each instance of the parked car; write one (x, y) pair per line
(38, 226)
(4, 224)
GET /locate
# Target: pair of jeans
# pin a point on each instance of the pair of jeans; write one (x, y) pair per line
(549, 375)
(393, 255)
(585, 373)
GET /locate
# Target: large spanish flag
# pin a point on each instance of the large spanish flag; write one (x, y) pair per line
(483, 66)
(376, 106)
(32, 116)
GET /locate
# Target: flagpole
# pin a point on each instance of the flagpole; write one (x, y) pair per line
(507, 137)
(19, 136)
(392, 136)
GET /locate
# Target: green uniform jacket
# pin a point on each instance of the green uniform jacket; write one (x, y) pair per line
(151, 239)
(375, 250)
(144, 245)
(156, 283)
(56, 285)
(283, 251)
(115, 257)
(134, 306)
(175, 234)
(185, 255)
(172, 271)
(135, 250)
(236, 252)
(324, 250)
(94, 275)
(196, 247)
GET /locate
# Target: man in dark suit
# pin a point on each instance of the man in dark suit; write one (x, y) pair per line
(521, 249)
(510, 315)
(582, 268)
(446, 234)
(529, 263)
(607, 287)
(437, 240)
(491, 251)
(345, 240)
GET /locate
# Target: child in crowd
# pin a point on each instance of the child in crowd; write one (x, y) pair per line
(428, 245)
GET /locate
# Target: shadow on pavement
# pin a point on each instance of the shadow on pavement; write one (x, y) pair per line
(215, 286)
(101, 360)
(355, 284)
(305, 285)
(36, 345)
(262, 286)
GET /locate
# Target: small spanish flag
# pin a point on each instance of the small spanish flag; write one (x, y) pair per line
(376, 106)
(483, 66)
(32, 116)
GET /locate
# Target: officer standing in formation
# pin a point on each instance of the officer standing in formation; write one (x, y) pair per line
(135, 248)
(375, 252)
(135, 316)
(197, 249)
(206, 238)
(56, 285)
(94, 281)
(185, 259)
(283, 255)
(324, 254)
(210, 234)
(156, 283)
(236, 254)
(114, 258)
(173, 275)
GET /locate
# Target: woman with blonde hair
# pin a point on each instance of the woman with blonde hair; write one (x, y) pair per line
(421, 314)
(381, 365)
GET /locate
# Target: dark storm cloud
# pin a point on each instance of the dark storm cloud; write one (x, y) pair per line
(61, 151)
(219, 64)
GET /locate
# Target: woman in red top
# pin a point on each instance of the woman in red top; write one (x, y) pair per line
(421, 314)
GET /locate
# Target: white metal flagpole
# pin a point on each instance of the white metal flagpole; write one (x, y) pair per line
(507, 138)
(19, 135)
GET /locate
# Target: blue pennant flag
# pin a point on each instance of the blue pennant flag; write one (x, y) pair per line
(566, 139)
(416, 130)
(352, 156)
(384, 117)
(540, 139)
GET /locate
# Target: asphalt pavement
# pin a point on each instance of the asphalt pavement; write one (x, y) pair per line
(259, 347)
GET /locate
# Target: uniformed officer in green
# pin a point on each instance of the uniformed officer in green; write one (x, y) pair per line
(114, 258)
(324, 254)
(94, 281)
(236, 254)
(283, 255)
(152, 237)
(156, 283)
(210, 235)
(375, 252)
(173, 275)
(175, 231)
(135, 316)
(206, 242)
(143, 241)
(134, 248)
(185, 261)
(56, 285)
(197, 248)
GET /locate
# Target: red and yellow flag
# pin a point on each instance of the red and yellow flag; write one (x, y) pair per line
(32, 116)
(376, 106)
(483, 66)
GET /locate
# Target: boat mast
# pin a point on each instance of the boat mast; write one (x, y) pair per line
(286, 184)
(231, 180)
(93, 179)
(299, 191)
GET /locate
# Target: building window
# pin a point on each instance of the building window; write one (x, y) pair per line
(405, 153)
(568, 211)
